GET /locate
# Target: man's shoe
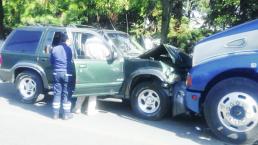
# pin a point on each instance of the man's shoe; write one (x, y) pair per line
(67, 116)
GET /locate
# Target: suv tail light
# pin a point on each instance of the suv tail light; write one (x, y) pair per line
(1, 60)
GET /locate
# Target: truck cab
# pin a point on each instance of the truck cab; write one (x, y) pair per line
(222, 83)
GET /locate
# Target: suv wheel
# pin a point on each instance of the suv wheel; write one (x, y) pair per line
(29, 86)
(231, 110)
(149, 100)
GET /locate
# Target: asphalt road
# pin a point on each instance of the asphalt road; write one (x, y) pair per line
(27, 124)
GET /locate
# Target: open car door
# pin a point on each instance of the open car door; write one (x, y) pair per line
(96, 73)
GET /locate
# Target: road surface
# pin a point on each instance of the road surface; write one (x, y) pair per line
(31, 124)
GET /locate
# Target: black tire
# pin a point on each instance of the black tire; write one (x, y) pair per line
(221, 94)
(161, 110)
(36, 91)
(126, 102)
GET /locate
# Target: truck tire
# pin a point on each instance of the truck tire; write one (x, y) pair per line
(149, 101)
(231, 110)
(29, 86)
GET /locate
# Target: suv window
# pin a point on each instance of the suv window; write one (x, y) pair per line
(89, 46)
(23, 41)
(53, 38)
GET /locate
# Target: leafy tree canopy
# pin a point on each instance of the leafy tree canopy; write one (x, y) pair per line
(138, 17)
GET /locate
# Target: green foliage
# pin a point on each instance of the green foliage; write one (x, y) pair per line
(186, 37)
(142, 16)
(227, 13)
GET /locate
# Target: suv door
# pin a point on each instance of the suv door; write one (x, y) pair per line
(51, 40)
(96, 74)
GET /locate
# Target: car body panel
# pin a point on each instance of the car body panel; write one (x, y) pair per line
(237, 39)
(203, 74)
(95, 76)
(98, 76)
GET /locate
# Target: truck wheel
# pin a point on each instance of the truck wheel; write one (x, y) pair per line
(231, 110)
(29, 86)
(149, 101)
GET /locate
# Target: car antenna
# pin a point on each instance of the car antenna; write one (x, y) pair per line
(112, 24)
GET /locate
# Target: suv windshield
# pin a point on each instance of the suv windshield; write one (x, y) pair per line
(123, 42)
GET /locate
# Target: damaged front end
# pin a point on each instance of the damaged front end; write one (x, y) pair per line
(171, 56)
(176, 65)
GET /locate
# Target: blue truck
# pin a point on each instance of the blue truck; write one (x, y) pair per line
(223, 84)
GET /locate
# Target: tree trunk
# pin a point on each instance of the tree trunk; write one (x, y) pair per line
(243, 10)
(165, 20)
(177, 12)
(1, 20)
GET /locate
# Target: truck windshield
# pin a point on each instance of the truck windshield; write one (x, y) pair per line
(127, 45)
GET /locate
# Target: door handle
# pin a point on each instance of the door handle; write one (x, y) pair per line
(82, 66)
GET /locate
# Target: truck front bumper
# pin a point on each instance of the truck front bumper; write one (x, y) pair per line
(178, 99)
(184, 100)
(192, 101)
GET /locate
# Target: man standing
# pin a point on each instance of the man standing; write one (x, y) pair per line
(61, 60)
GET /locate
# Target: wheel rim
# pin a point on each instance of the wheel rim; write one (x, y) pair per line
(148, 101)
(238, 112)
(27, 88)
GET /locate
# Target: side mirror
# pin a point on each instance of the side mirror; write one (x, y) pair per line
(113, 55)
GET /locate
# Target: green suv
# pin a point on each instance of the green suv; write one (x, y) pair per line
(106, 63)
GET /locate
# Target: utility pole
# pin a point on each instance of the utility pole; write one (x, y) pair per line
(165, 20)
(1, 20)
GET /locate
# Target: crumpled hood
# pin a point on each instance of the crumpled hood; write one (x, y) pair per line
(178, 59)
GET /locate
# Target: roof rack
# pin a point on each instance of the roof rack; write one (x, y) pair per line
(44, 25)
(80, 26)
(96, 26)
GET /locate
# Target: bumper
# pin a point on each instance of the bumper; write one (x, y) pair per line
(184, 100)
(178, 99)
(192, 101)
(6, 75)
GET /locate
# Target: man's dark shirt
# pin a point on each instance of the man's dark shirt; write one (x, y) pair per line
(61, 58)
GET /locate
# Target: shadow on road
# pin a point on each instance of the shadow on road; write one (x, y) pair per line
(8, 92)
(193, 128)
